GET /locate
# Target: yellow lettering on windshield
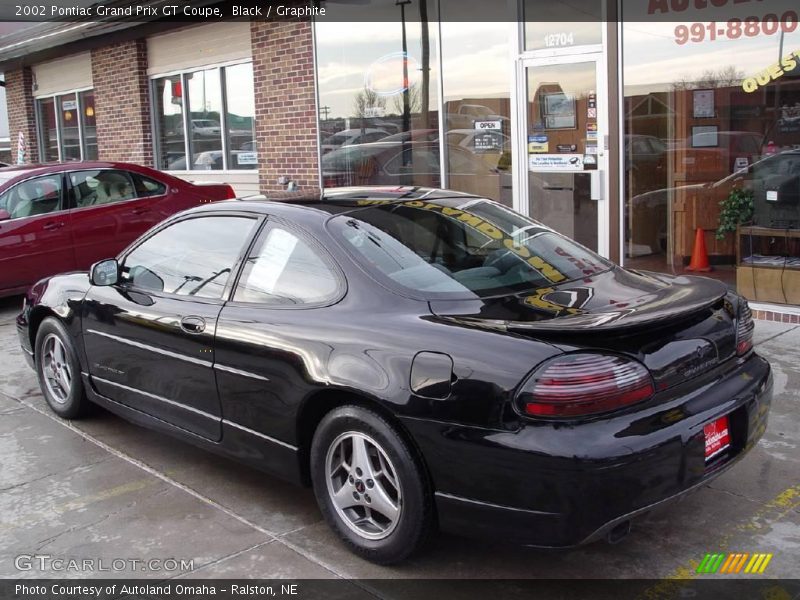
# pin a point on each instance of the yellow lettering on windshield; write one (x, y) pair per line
(521, 251)
(486, 228)
(537, 301)
(546, 269)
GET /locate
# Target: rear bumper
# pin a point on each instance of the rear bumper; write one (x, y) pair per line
(564, 485)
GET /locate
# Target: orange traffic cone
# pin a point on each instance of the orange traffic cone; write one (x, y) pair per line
(699, 260)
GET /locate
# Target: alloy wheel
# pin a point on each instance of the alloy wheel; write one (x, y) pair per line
(55, 368)
(363, 485)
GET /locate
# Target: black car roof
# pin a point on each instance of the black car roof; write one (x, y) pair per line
(336, 200)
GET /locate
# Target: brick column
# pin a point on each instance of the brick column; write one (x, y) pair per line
(122, 102)
(286, 107)
(21, 112)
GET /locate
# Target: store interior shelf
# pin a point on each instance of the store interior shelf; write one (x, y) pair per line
(768, 264)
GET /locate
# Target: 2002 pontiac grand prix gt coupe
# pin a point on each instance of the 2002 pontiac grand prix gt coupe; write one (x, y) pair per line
(421, 357)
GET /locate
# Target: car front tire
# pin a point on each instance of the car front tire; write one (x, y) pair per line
(59, 371)
(369, 485)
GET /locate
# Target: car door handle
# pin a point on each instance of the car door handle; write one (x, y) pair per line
(52, 225)
(141, 211)
(193, 324)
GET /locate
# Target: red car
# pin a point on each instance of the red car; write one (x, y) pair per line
(65, 216)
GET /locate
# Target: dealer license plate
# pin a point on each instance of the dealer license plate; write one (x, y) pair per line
(718, 437)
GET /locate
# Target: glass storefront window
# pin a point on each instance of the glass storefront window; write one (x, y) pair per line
(89, 125)
(205, 115)
(67, 127)
(208, 121)
(48, 135)
(477, 110)
(712, 118)
(168, 116)
(70, 137)
(240, 116)
(562, 131)
(379, 117)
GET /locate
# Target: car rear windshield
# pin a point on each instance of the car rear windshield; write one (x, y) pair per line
(460, 248)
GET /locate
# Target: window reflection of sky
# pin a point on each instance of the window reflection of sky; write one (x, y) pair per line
(652, 58)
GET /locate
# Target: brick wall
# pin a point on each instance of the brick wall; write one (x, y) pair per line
(286, 108)
(21, 111)
(122, 103)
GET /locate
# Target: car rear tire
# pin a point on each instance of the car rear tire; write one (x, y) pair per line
(59, 370)
(370, 486)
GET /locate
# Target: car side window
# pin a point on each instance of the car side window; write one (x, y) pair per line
(193, 257)
(37, 196)
(282, 269)
(83, 185)
(101, 186)
(146, 187)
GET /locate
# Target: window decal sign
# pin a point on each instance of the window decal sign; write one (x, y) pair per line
(384, 76)
(538, 144)
(555, 162)
(772, 73)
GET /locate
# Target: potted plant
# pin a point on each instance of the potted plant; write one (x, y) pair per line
(737, 209)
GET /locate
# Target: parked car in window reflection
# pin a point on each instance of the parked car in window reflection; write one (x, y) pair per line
(65, 216)
(416, 163)
(350, 137)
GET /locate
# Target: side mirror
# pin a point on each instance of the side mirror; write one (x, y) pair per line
(4, 215)
(105, 272)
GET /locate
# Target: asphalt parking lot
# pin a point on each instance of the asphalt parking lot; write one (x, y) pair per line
(103, 488)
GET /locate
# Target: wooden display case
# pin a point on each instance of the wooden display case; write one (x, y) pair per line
(768, 264)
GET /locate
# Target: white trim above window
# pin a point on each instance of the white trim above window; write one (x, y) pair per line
(63, 75)
(200, 46)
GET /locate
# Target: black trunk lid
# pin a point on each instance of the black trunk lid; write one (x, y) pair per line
(679, 327)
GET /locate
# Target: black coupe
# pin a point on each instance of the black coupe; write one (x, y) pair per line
(421, 357)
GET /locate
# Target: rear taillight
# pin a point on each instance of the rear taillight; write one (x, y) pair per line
(575, 385)
(744, 329)
(229, 193)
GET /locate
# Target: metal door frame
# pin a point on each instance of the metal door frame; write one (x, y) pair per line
(597, 54)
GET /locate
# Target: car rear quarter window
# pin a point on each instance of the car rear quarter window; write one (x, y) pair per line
(146, 187)
(193, 257)
(284, 270)
(461, 248)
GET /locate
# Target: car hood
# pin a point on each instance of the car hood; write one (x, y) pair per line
(613, 300)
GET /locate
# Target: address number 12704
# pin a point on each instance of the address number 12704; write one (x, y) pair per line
(556, 40)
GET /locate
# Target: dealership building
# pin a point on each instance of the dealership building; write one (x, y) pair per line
(637, 135)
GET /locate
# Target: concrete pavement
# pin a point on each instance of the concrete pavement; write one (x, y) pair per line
(105, 489)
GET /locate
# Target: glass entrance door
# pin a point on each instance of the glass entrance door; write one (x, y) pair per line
(562, 142)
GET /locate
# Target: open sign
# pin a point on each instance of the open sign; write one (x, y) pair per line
(488, 125)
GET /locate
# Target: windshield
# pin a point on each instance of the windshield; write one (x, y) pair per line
(461, 248)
